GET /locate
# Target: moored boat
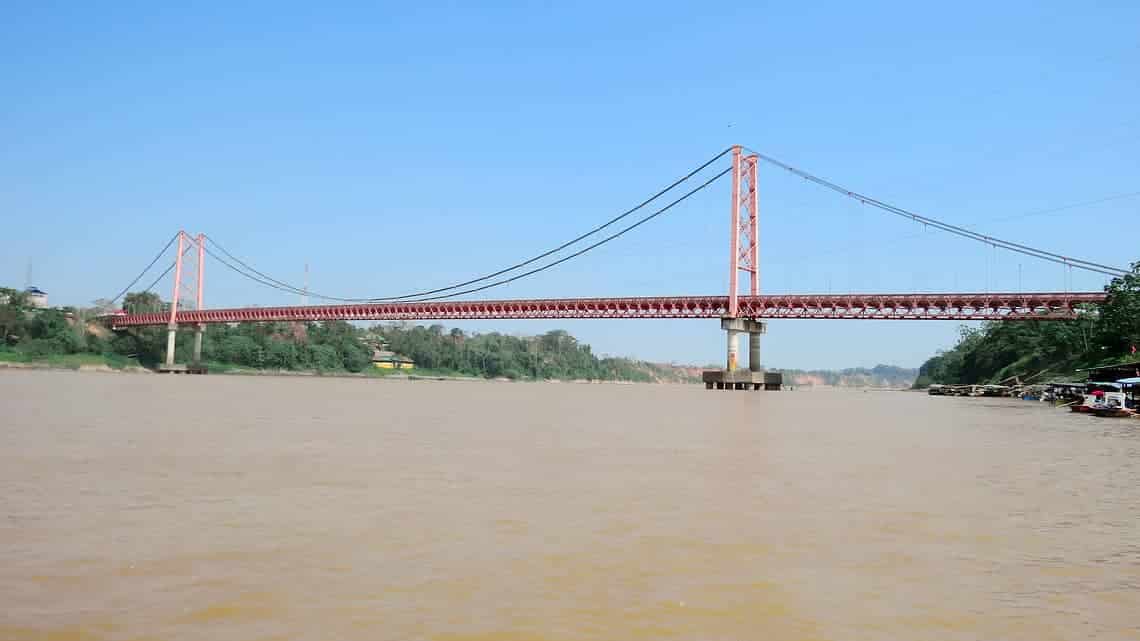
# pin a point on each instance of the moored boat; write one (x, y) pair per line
(1101, 395)
(1112, 412)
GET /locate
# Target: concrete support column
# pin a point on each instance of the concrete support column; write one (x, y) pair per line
(171, 333)
(734, 327)
(754, 351)
(198, 345)
(733, 349)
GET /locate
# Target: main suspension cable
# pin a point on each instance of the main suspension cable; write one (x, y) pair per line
(504, 281)
(146, 269)
(168, 269)
(947, 227)
(269, 280)
(603, 241)
(262, 279)
(591, 232)
(160, 277)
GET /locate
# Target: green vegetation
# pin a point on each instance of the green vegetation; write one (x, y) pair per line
(1035, 349)
(55, 337)
(553, 355)
(68, 361)
(71, 337)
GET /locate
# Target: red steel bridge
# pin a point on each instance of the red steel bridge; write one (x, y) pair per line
(1009, 307)
(739, 312)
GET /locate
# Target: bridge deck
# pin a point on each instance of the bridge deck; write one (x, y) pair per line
(990, 306)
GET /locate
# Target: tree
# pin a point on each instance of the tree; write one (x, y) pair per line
(1119, 321)
(323, 357)
(142, 303)
(281, 355)
(13, 314)
(239, 350)
(355, 357)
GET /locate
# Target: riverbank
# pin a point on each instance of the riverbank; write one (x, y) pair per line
(115, 364)
(85, 362)
(96, 363)
(371, 373)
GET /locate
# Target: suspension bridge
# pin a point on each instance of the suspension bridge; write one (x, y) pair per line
(739, 312)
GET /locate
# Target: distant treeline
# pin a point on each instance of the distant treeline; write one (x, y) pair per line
(877, 376)
(553, 355)
(1035, 349)
(37, 334)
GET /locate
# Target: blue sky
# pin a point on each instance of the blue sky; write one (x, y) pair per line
(397, 147)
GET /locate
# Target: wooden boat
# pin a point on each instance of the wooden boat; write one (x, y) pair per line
(1100, 396)
(1112, 412)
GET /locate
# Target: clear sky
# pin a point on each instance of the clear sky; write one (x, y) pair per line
(401, 146)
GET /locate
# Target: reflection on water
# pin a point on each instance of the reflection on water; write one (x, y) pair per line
(147, 507)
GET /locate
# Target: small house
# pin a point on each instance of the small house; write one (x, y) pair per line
(36, 297)
(384, 359)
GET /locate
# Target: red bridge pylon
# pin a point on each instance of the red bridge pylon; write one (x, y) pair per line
(185, 243)
(743, 255)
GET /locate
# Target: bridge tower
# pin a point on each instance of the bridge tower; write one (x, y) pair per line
(743, 256)
(184, 241)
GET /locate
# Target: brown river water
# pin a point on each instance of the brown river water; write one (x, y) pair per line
(223, 507)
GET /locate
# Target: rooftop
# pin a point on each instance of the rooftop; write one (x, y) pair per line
(385, 356)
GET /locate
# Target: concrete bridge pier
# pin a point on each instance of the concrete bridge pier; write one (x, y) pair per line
(754, 348)
(732, 359)
(197, 359)
(733, 376)
(171, 336)
(734, 327)
(195, 366)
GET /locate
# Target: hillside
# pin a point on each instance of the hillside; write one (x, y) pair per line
(879, 376)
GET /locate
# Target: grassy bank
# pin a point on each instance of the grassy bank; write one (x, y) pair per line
(119, 363)
(419, 372)
(70, 361)
(216, 367)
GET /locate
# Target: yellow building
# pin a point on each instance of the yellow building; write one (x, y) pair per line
(383, 359)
